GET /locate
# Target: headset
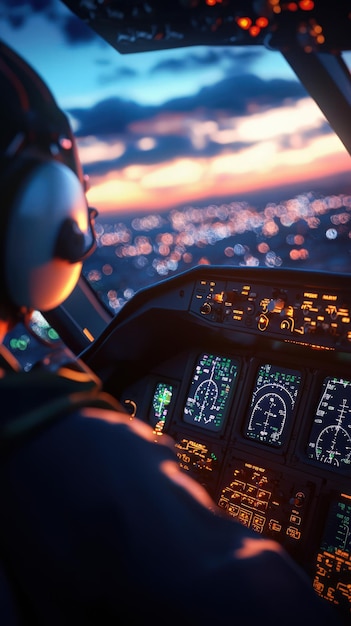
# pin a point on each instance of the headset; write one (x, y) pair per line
(46, 226)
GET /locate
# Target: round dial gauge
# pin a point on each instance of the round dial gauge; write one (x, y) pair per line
(330, 437)
(272, 404)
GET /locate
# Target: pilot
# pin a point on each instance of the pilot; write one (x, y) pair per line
(98, 523)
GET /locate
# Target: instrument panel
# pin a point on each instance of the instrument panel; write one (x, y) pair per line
(156, 25)
(279, 463)
(318, 317)
(250, 373)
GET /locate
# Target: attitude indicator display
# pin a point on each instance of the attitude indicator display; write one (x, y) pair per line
(210, 391)
(330, 438)
(272, 404)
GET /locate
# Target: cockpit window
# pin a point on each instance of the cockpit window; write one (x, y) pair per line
(216, 156)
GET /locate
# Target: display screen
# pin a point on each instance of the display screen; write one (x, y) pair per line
(210, 391)
(272, 404)
(160, 405)
(333, 563)
(330, 438)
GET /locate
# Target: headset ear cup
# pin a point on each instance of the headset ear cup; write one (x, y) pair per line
(46, 196)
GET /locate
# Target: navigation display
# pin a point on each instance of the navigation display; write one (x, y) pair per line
(272, 404)
(210, 391)
(160, 405)
(330, 438)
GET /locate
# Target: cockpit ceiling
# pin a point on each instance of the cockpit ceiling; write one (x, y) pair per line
(144, 25)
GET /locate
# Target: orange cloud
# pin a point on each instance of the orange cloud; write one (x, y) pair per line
(264, 163)
(185, 181)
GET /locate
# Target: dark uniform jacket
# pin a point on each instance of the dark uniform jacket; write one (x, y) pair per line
(99, 526)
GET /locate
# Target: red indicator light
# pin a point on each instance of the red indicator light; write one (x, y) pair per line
(244, 22)
(262, 22)
(254, 31)
(306, 5)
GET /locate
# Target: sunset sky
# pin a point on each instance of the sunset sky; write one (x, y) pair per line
(176, 127)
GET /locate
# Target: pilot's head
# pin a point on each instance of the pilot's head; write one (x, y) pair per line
(45, 224)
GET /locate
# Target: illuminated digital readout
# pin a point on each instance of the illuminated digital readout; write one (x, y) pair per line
(333, 563)
(330, 438)
(160, 405)
(210, 391)
(272, 404)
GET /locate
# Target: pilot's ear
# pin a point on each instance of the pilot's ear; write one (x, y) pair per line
(46, 231)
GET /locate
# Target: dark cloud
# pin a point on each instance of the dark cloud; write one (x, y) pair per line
(303, 139)
(323, 129)
(113, 118)
(235, 97)
(239, 56)
(192, 61)
(112, 76)
(26, 7)
(167, 148)
(236, 94)
(206, 58)
(109, 117)
(75, 31)
(18, 13)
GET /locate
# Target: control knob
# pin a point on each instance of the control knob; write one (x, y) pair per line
(206, 308)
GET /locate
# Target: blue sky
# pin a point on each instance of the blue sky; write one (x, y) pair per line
(162, 128)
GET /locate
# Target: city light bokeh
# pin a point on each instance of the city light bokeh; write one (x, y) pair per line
(308, 230)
